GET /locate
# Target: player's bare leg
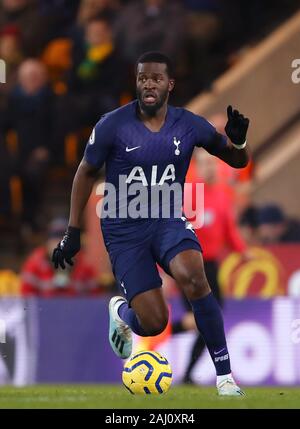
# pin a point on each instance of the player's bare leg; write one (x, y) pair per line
(188, 271)
(147, 316)
(151, 310)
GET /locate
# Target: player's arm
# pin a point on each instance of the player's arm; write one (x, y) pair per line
(235, 153)
(96, 153)
(236, 158)
(83, 183)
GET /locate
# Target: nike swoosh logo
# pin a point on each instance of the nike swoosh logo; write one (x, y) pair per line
(131, 148)
(216, 353)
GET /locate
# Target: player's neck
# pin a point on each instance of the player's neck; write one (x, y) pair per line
(156, 122)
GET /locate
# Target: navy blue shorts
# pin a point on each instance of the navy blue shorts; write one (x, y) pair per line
(135, 252)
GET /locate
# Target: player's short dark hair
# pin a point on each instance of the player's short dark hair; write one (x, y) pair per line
(156, 57)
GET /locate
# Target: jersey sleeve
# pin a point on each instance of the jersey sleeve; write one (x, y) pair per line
(207, 136)
(100, 142)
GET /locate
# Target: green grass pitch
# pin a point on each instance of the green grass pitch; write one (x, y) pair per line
(115, 396)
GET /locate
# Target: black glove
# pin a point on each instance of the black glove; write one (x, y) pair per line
(67, 248)
(236, 127)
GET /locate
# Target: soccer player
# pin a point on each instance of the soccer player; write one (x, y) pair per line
(145, 145)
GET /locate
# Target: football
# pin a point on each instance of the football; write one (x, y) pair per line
(147, 372)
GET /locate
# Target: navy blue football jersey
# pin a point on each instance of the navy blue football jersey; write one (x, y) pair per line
(138, 159)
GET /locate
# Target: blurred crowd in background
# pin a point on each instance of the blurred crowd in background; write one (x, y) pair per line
(70, 61)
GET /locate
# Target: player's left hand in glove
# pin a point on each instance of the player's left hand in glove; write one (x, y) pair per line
(67, 248)
(236, 127)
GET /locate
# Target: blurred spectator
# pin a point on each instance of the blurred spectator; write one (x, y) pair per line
(11, 53)
(29, 113)
(147, 25)
(97, 50)
(33, 27)
(248, 225)
(39, 278)
(57, 58)
(275, 227)
(220, 227)
(203, 28)
(91, 9)
(218, 232)
(97, 77)
(6, 172)
(60, 15)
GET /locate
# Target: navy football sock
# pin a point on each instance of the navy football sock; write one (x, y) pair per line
(209, 321)
(130, 318)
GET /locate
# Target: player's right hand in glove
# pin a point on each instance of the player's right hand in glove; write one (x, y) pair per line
(67, 248)
(236, 127)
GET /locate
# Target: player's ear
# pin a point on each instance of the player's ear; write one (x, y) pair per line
(171, 84)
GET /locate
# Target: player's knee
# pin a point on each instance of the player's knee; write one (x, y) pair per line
(196, 286)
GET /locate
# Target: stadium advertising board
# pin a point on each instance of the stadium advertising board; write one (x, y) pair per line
(72, 347)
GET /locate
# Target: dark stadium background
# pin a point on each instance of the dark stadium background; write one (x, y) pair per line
(68, 62)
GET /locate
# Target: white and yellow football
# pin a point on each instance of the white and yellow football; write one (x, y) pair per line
(147, 372)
